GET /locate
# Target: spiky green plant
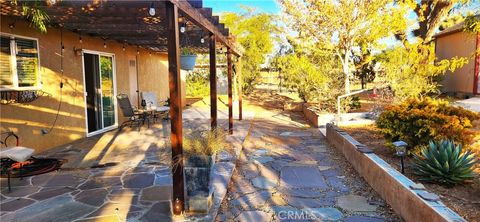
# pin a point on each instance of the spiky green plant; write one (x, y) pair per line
(444, 163)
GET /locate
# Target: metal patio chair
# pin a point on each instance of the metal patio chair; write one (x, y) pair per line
(134, 118)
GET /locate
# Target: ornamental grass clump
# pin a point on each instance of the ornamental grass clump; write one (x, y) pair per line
(208, 142)
(419, 121)
(444, 163)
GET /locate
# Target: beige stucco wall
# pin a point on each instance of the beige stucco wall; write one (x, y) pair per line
(459, 44)
(28, 119)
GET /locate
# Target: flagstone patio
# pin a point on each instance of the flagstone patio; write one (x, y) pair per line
(116, 176)
(287, 172)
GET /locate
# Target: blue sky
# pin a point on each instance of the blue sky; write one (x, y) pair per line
(219, 6)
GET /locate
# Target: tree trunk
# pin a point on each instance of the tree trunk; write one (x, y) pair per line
(346, 71)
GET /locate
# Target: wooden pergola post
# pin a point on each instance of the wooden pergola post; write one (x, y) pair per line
(173, 45)
(240, 83)
(213, 82)
(229, 91)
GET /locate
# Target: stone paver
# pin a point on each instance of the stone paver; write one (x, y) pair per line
(15, 204)
(302, 177)
(326, 214)
(362, 219)
(295, 176)
(264, 183)
(140, 180)
(132, 180)
(355, 203)
(257, 216)
(300, 202)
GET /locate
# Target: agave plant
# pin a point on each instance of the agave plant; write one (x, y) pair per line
(444, 163)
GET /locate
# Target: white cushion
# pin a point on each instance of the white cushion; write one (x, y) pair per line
(17, 153)
(163, 109)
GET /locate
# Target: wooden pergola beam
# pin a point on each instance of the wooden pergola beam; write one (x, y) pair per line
(196, 17)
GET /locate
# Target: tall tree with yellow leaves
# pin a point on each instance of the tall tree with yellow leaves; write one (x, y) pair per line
(346, 25)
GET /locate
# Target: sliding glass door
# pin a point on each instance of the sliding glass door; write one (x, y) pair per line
(100, 91)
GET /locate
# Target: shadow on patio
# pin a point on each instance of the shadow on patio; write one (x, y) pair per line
(109, 177)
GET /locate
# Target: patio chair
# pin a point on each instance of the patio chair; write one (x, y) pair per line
(18, 162)
(134, 118)
(151, 100)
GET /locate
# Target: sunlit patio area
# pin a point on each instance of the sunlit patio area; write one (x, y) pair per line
(116, 176)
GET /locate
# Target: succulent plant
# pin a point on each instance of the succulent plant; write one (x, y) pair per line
(444, 163)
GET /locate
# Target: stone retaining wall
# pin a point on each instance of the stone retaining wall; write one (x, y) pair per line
(410, 200)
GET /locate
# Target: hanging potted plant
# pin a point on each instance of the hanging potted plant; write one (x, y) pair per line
(187, 59)
(200, 149)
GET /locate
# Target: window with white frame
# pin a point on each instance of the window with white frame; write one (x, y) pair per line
(19, 63)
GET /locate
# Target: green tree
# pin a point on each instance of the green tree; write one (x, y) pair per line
(411, 68)
(311, 70)
(347, 25)
(255, 32)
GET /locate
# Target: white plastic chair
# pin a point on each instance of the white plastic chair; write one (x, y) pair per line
(152, 104)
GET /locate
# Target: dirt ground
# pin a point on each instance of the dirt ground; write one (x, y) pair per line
(463, 198)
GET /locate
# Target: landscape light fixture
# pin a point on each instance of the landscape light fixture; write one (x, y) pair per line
(401, 148)
(151, 10)
(177, 207)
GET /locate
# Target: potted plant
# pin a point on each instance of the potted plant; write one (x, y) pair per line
(200, 149)
(187, 59)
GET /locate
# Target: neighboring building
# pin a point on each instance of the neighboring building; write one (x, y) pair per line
(454, 41)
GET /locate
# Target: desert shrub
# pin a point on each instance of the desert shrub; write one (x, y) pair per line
(444, 163)
(419, 121)
(198, 83)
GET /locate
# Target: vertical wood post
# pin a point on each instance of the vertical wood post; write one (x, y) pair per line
(240, 85)
(229, 91)
(213, 83)
(173, 45)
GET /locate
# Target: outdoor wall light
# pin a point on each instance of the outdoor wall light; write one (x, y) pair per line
(11, 25)
(202, 40)
(80, 39)
(401, 148)
(77, 51)
(151, 10)
(183, 27)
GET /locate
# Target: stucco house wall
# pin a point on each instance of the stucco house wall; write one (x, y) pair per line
(27, 120)
(460, 44)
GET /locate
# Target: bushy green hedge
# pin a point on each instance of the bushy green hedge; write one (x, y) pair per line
(198, 83)
(419, 121)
